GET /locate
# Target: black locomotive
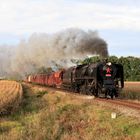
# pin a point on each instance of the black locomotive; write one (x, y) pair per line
(104, 78)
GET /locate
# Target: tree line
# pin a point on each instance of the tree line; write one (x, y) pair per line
(131, 65)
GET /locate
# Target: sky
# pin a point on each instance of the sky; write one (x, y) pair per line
(117, 21)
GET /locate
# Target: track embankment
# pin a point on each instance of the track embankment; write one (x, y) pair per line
(128, 107)
(125, 103)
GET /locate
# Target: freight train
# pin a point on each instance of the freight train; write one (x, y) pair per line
(99, 79)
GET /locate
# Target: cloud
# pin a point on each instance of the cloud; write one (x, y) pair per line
(28, 16)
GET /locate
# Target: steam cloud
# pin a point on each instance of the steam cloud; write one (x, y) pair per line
(47, 50)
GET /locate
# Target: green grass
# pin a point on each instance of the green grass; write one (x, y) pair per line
(26, 114)
(41, 93)
(62, 117)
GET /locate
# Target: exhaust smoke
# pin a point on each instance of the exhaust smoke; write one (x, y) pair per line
(45, 50)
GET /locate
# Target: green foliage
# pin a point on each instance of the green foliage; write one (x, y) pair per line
(92, 59)
(41, 93)
(131, 65)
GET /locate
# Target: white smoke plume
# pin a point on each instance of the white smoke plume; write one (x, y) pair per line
(6, 55)
(46, 50)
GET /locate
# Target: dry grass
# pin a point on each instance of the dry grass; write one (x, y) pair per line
(10, 96)
(80, 119)
(131, 90)
(132, 86)
(61, 116)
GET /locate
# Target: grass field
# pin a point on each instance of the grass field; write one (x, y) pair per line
(53, 115)
(10, 96)
(131, 90)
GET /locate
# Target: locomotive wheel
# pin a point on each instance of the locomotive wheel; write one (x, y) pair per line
(73, 88)
(82, 90)
(95, 92)
(116, 94)
(89, 91)
(99, 92)
(112, 96)
(85, 90)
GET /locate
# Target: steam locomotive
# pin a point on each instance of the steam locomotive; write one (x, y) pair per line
(99, 79)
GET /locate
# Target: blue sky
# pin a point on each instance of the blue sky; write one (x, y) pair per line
(117, 22)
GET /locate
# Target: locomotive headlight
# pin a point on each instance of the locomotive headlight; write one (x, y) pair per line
(109, 63)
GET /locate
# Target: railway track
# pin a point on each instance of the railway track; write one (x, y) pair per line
(120, 102)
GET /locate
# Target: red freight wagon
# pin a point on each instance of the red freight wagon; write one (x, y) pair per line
(51, 80)
(46, 78)
(33, 78)
(58, 78)
(43, 77)
(54, 79)
(40, 79)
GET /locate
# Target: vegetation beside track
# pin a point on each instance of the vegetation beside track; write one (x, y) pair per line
(55, 115)
(131, 91)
